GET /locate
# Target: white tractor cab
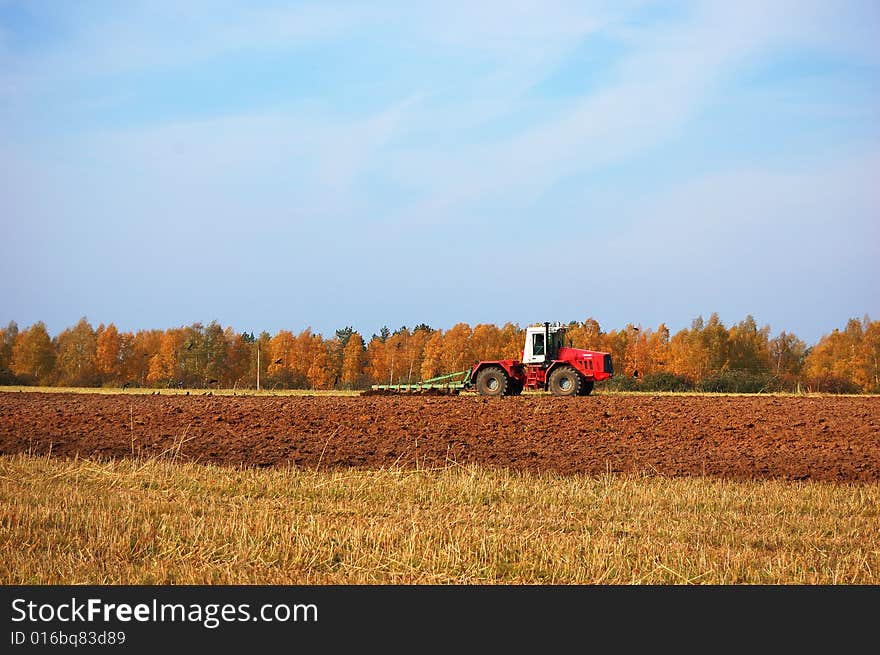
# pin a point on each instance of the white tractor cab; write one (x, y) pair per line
(543, 342)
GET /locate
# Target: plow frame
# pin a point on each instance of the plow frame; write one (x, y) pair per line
(450, 383)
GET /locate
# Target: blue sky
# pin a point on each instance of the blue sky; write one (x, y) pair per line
(282, 165)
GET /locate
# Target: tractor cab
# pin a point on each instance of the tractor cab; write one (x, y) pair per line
(543, 343)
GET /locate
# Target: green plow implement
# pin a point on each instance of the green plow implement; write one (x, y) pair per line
(452, 383)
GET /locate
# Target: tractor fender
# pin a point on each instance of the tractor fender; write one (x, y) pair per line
(512, 367)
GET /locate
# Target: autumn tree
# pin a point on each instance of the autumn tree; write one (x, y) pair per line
(748, 347)
(844, 360)
(215, 351)
(108, 352)
(406, 352)
(486, 342)
(657, 344)
(715, 341)
(587, 335)
(33, 355)
(787, 354)
(617, 342)
(457, 351)
(870, 355)
(76, 361)
(432, 356)
(8, 335)
(700, 350)
(308, 346)
(353, 361)
(164, 364)
(853, 366)
(320, 374)
(512, 338)
(378, 362)
(282, 352)
(336, 347)
(238, 352)
(191, 359)
(395, 355)
(137, 351)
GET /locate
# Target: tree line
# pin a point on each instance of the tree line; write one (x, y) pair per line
(707, 356)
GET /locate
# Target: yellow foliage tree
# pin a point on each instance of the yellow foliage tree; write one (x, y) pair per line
(164, 363)
(8, 335)
(457, 353)
(512, 340)
(870, 355)
(108, 352)
(320, 373)
(75, 361)
(33, 355)
(432, 359)
(353, 361)
(378, 363)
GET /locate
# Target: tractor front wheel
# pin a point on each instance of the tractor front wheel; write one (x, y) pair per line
(565, 381)
(492, 381)
(586, 387)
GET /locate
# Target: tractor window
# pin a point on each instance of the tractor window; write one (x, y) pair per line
(538, 344)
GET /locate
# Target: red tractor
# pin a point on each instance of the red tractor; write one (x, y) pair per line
(547, 364)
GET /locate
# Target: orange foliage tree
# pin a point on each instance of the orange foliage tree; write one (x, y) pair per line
(33, 355)
(108, 352)
(353, 362)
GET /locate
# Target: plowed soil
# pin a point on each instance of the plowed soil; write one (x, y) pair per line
(736, 437)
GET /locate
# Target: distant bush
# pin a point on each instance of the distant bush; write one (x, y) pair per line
(8, 378)
(739, 382)
(664, 381)
(622, 383)
(834, 384)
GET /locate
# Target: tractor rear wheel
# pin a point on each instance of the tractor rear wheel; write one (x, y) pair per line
(514, 387)
(492, 381)
(586, 387)
(565, 381)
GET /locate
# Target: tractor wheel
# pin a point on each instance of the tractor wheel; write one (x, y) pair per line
(492, 381)
(565, 381)
(514, 387)
(586, 387)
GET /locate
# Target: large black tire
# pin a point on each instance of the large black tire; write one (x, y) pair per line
(492, 381)
(586, 387)
(565, 381)
(514, 387)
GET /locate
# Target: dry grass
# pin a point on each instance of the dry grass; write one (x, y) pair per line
(163, 522)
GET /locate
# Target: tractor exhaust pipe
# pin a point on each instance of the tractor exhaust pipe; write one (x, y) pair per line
(547, 354)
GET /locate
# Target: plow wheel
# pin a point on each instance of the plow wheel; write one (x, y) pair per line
(492, 381)
(565, 381)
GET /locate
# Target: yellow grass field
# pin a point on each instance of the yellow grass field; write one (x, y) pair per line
(160, 521)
